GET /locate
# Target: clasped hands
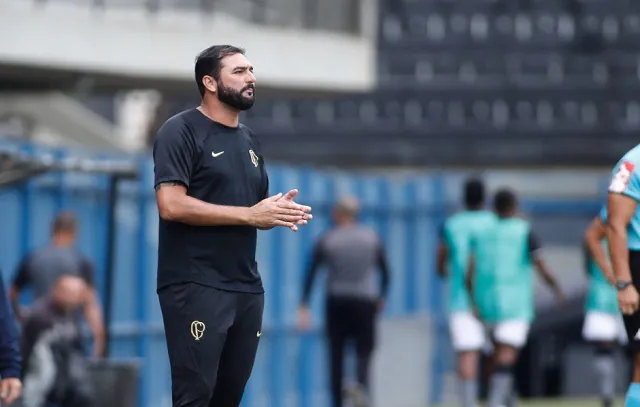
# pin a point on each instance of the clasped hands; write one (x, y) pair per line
(280, 210)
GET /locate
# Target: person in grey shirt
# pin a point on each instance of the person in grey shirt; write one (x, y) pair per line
(41, 268)
(352, 253)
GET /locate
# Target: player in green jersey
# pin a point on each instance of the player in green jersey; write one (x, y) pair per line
(501, 282)
(467, 333)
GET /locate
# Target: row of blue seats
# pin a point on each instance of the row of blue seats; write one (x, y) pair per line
(457, 69)
(497, 113)
(575, 6)
(542, 30)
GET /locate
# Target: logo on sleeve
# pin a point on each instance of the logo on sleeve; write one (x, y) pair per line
(254, 158)
(622, 177)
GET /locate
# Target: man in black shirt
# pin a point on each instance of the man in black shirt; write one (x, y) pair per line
(212, 194)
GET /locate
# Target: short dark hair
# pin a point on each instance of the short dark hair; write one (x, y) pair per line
(209, 62)
(473, 193)
(64, 222)
(504, 201)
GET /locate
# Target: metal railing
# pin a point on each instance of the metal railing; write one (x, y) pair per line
(343, 16)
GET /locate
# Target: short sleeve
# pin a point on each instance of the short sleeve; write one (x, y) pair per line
(603, 214)
(266, 185)
(86, 271)
(534, 243)
(173, 152)
(22, 277)
(626, 180)
(442, 232)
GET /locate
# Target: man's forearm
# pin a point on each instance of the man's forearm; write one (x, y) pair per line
(469, 284)
(599, 256)
(93, 314)
(195, 212)
(546, 275)
(618, 251)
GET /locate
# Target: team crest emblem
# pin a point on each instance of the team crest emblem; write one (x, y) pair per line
(197, 329)
(254, 158)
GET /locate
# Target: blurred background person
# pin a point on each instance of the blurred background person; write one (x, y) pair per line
(501, 284)
(467, 332)
(40, 269)
(603, 326)
(10, 357)
(55, 369)
(353, 254)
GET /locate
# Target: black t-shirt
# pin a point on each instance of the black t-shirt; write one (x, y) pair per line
(219, 165)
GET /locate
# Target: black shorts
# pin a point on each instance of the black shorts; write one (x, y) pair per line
(632, 322)
(212, 340)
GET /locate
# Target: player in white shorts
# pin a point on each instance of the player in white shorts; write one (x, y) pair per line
(467, 333)
(501, 282)
(603, 325)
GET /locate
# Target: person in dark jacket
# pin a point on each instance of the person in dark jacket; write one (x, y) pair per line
(10, 359)
(55, 368)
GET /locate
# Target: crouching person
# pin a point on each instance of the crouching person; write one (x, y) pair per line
(55, 368)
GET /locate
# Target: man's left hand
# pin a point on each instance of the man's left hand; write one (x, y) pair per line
(307, 209)
(10, 389)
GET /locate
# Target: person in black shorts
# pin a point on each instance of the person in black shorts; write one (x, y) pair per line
(212, 195)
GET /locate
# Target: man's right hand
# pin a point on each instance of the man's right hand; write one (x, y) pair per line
(274, 211)
(10, 389)
(628, 300)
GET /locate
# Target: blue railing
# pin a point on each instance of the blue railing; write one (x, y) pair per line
(291, 366)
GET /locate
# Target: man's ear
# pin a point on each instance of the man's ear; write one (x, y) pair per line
(210, 83)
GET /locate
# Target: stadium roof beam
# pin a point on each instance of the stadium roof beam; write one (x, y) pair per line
(18, 167)
(25, 78)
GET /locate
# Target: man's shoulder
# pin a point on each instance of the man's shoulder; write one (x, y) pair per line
(36, 253)
(246, 129)
(468, 219)
(179, 124)
(629, 161)
(632, 155)
(250, 135)
(519, 223)
(366, 233)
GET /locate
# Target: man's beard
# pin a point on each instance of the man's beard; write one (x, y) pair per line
(234, 98)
